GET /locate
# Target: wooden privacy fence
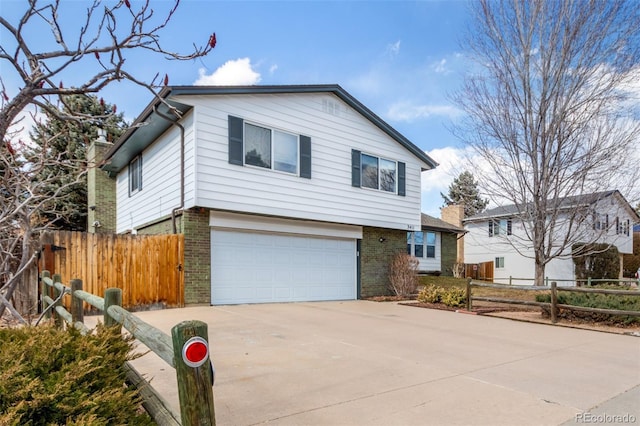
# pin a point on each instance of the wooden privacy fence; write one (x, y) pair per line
(479, 271)
(195, 375)
(148, 268)
(553, 305)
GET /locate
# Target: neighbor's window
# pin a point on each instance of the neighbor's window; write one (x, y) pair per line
(378, 173)
(421, 244)
(499, 262)
(135, 175)
(500, 227)
(270, 149)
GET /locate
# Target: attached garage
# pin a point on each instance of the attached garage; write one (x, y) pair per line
(267, 260)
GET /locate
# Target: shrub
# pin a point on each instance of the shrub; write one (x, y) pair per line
(594, 300)
(403, 274)
(51, 376)
(454, 297)
(596, 261)
(430, 294)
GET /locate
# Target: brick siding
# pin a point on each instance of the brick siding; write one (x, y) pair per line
(375, 257)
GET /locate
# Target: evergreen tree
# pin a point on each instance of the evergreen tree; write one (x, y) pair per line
(66, 141)
(464, 190)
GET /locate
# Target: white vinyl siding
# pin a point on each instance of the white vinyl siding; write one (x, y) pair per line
(161, 182)
(328, 196)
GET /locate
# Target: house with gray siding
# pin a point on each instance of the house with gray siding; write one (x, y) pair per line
(283, 193)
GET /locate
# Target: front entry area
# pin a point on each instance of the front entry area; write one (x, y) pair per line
(250, 266)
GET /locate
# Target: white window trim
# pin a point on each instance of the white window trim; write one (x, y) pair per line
(424, 245)
(138, 174)
(272, 165)
(395, 183)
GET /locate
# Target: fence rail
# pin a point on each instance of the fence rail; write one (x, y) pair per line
(553, 305)
(588, 281)
(194, 382)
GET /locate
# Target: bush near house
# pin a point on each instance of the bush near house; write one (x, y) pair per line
(403, 274)
(50, 376)
(596, 261)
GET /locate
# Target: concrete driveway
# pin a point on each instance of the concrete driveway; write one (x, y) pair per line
(367, 363)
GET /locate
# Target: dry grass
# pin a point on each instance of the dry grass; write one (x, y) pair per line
(508, 293)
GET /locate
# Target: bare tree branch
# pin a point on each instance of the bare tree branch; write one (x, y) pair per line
(548, 111)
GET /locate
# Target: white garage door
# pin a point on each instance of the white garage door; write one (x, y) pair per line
(251, 267)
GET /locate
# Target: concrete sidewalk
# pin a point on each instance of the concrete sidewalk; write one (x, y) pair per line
(367, 363)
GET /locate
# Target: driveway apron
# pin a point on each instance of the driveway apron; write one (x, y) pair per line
(368, 363)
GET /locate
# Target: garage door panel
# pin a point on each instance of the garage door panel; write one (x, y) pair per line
(249, 267)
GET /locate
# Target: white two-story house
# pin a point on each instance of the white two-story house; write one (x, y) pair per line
(283, 193)
(498, 235)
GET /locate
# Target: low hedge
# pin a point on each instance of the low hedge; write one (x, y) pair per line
(454, 297)
(53, 377)
(595, 300)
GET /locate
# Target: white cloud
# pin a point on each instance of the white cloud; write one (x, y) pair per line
(273, 69)
(393, 48)
(234, 72)
(441, 67)
(451, 162)
(408, 111)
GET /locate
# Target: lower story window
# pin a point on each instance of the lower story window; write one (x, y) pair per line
(499, 262)
(421, 244)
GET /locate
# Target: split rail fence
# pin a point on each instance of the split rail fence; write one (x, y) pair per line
(553, 305)
(194, 382)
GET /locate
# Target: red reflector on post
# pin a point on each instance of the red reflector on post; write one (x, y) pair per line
(195, 352)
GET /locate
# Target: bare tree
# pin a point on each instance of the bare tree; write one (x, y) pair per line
(97, 50)
(550, 111)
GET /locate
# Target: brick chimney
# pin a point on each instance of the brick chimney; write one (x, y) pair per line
(101, 189)
(454, 214)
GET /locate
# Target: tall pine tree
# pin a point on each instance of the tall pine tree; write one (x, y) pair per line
(66, 141)
(464, 190)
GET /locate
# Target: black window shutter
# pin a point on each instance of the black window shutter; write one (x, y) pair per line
(490, 227)
(355, 168)
(140, 172)
(235, 140)
(305, 157)
(402, 179)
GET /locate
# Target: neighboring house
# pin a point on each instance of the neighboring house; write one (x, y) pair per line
(283, 193)
(435, 245)
(498, 236)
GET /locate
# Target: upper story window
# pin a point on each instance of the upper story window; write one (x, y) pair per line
(500, 227)
(271, 149)
(421, 244)
(499, 262)
(258, 146)
(600, 222)
(383, 174)
(378, 173)
(622, 226)
(135, 175)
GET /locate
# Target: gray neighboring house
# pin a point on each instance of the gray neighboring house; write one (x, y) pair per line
(435, 245)
(283, 193)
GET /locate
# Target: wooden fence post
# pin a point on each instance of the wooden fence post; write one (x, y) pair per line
(554, 302)
(588, 281)
(469, 294)
(44, 291)
(57, 278)
(195, 384)
(77, 306)
(112, 296)
(510, 280)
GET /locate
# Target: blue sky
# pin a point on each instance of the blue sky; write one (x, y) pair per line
(400, 58)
